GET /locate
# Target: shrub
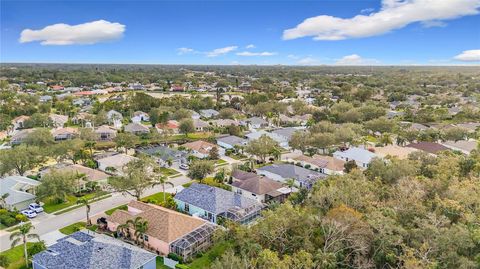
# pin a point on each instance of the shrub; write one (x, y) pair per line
(36, 248)
(4, 262)
(175, 257)
(308, 166)
(8, 220)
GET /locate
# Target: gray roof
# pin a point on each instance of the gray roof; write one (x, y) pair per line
(292, 171)
(286, 132)
(16, 187)
(85, 250)
(163, 152)
(256, 121)
(232, 140)
(212, 199)
(357, 154)
(136, 128)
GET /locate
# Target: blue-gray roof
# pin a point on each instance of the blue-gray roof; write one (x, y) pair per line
(212, 199)
(84, 251)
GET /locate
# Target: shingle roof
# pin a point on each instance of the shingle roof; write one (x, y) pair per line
(15, 186)
(212, 199)
(429, 147)
(200, 146)
(242, 175)
(232, 140)
(258, 185)
(116, 160)
(286, 132)
(88, 251)
(357, 154)
(292, 171)
(164, 224)
(136, 127)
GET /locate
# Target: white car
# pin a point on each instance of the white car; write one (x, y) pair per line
(35, 207)
(29, 213)
(184, 166)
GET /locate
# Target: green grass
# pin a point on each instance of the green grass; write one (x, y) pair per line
(51, 207)
(15, 257)
(110, 211)
(220, 162)
(81, 205)
(168, 171)
(156, 197)
(70, 229)
(210, 256)
(159, 263)
(238, 156)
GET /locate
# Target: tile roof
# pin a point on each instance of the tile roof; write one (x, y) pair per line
(116, 160)
(429, 147)
(164, 224)
(212, 199)
(394, 151)
(89, 250)
(200, 146)
(91, 174)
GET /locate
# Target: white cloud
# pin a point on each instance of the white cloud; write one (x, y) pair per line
(308, 61)
(367, 10)
(221, 51)
(395, 14)
(356, 59)
(85, 33)
(468, 56)
(249, 53)
(181, 51)
(251, 46)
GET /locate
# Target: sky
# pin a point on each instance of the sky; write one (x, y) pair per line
(342, 32)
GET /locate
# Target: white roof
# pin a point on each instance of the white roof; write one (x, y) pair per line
(16, 187)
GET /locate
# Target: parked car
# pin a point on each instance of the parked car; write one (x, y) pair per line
(35, 207)
(29, 213)
(184, 166)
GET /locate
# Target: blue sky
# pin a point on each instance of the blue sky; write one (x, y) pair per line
(218, 32)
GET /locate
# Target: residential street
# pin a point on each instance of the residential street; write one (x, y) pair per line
(48, 223)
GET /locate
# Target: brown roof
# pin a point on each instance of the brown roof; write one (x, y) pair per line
(164, 224)
(315, 161)
(429, 147)
(258, 185)
(242, 175)
(91, 174)
(200, 146)
(65, 130)
(332, 163)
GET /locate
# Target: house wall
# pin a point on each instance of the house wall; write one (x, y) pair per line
(361, 165)
(37, 266)
(251, 195)
(150, 264)
(195, 211)
(224, 145)
(21, 205)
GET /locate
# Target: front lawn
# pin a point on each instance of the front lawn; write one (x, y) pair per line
(50, 206)
(110, 211)
(206, 260)
(168, 171)
(70, 229)
(15, 257)
(156, 198)
(220, 162)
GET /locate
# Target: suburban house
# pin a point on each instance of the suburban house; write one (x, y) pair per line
(280, 139)
(45, 98)
(324, 164)
(304, 178)
(89, 250)
(115, 118)
(229, 142)
(394, 151)
(225, 122)
(200, 125)
(58, 120)
(164, 155)
(201, 149)
(105, 133)
(262, 189)
(20, 191)
(285, 134)
(255, 123)
(139, 116)
(213, 204)
(362, 157)
(465, 146)
(19, 136)
(170, 126)
(64, 133)
(136, 128)
(168, 230)
(209, 113)
(429, 147)
(294, 120)
(115, 163)
(86, 174)
(19, 122)
(195, 115)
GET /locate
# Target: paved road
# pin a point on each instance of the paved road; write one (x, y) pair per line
(46, 224)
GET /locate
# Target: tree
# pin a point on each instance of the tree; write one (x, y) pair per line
(186, 126)
(349, 166)
(3, 198)
(86, 203)
(213, 153)
(126, 140)
(261, 147)
(57, 185)
(200, 169)
(20, 159)
(455, 133)
(299, 140)
(22, 235)
(163, 180)
(40, 137)
(382, 125)
(67, 150)
(140, 226)
(322, 141)
(137, 177)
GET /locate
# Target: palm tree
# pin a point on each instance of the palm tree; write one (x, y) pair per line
(124, 229)
(139, 225)
(290, 183)
(90, 145)
(22, 235)
(164, 181)
(86, 203)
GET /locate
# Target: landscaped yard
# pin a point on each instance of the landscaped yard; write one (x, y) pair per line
(110, 211)
(210, 256)
(15, 257)
(168, 171)
(220, 162)
(70, 229)
(51, 207)
(158, 197)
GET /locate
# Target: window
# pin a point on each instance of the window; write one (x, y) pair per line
(145, 238)
(210, 216)
(239, 191)
(187, 208)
